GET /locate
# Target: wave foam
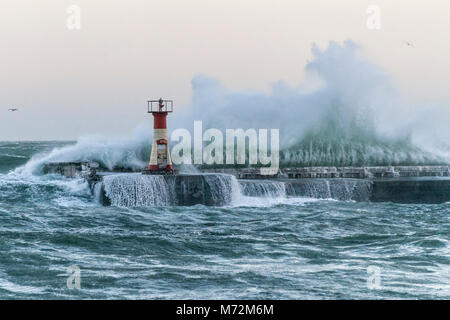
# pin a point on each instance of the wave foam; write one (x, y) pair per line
(127, 152)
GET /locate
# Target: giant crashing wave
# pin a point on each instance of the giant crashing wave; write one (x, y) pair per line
(351, 117)
(347, 113)
(332, 144)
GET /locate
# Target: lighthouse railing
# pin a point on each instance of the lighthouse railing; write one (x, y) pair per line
(153, 106)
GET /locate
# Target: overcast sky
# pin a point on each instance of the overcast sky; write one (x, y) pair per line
(70, 82)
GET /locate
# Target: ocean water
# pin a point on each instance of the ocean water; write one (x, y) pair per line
(256, 248)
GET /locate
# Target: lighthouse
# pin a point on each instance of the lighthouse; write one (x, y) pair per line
(160, 161)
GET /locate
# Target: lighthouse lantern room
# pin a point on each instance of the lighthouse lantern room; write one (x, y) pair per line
(160, 161)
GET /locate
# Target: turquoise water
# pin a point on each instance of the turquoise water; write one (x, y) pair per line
(279, 249)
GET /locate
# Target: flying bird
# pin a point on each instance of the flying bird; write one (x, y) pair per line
(13, 109)
(409, 44)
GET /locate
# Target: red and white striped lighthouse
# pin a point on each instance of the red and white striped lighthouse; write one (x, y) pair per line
(160, 161)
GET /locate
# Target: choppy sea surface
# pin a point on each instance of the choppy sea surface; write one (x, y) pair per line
(277, 249)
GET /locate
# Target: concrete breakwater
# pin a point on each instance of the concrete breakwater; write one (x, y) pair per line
(417, 184)
(219, 189)
(135, 189)
(223, 189)
(72, 169)
(339, 172)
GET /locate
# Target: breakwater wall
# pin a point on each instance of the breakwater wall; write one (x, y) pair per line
(416, 184)
(337, 172)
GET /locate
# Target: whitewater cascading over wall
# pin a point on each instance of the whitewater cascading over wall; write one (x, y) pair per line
(224, 188)
(135, 189)
(264, 188)
(338, 189)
